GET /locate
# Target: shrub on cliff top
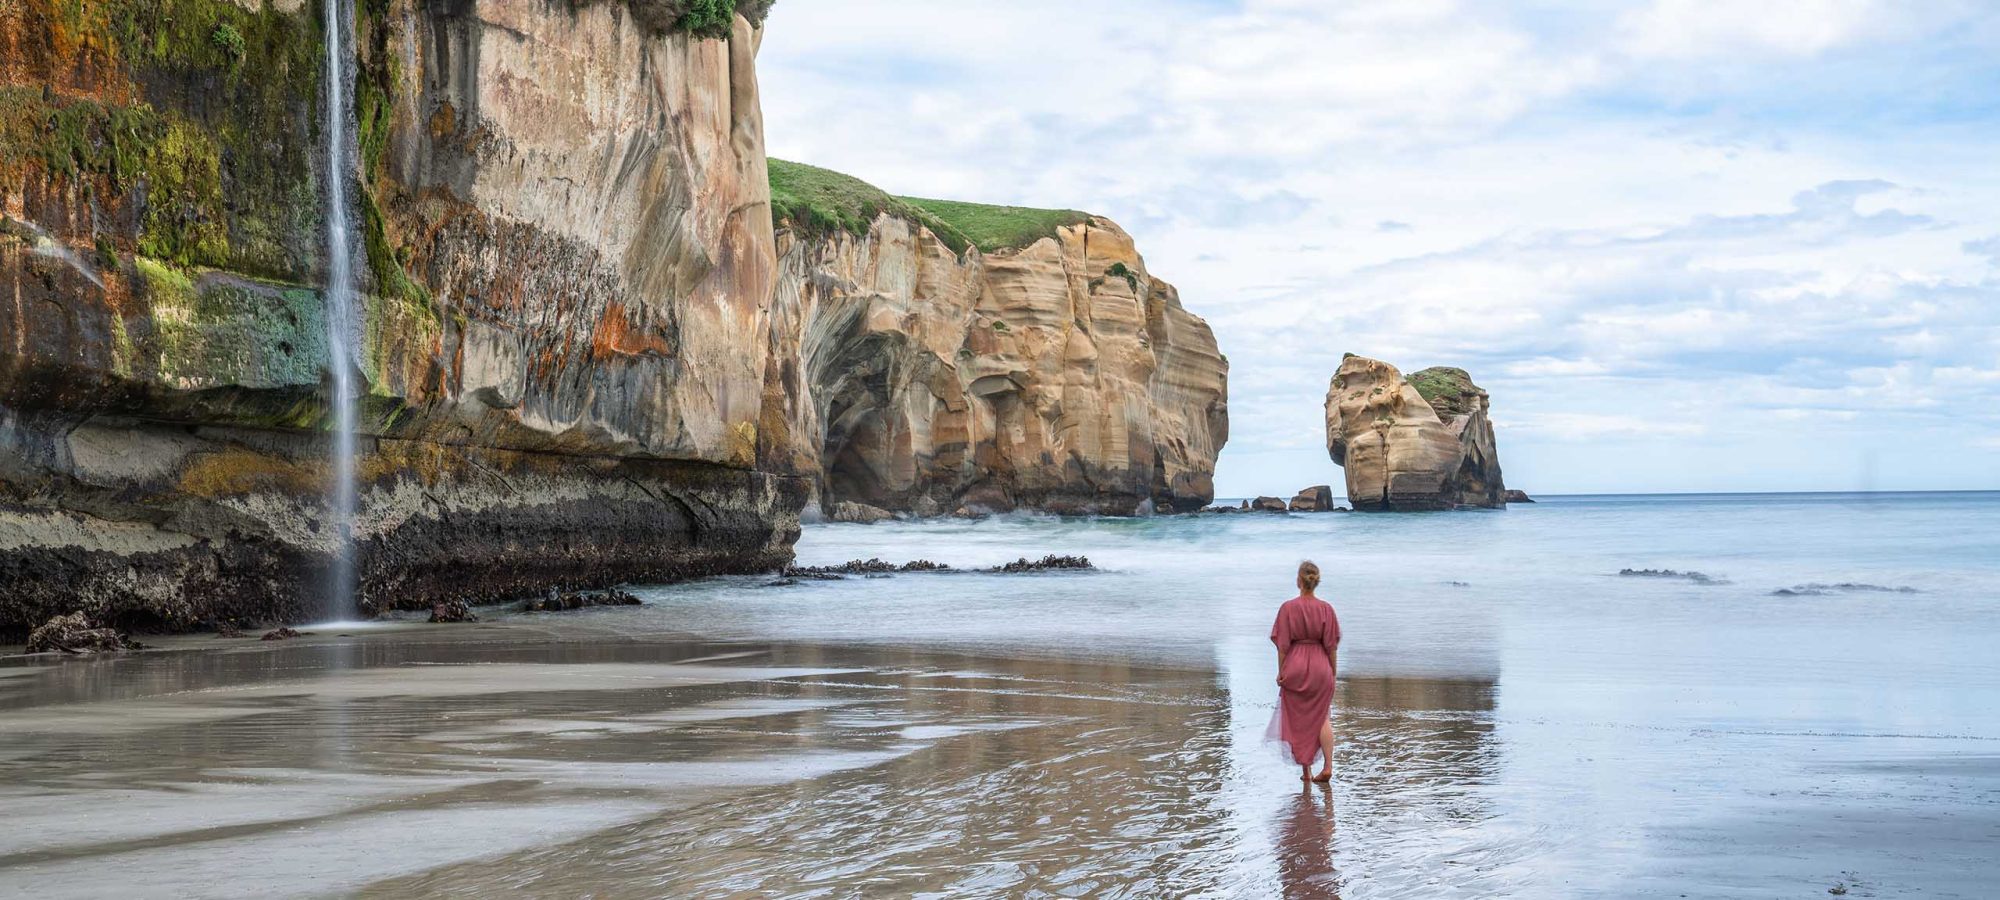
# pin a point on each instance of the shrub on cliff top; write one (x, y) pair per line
(702, 18)
(1447, 389)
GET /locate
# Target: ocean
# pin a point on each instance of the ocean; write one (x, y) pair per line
(1592, 696)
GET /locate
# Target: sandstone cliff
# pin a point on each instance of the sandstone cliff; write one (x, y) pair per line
(1412, 444)
(569, 262)
(962, 357)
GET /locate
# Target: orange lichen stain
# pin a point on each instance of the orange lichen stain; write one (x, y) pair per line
(444, 119)
(237, 472)
(423, 461)
(615, 335)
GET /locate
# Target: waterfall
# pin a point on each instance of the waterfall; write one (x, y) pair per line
(341, 327)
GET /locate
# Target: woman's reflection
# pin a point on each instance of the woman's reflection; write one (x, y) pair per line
(1305, 845)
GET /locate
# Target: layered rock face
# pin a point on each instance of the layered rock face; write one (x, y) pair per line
(1412, 444)
(1059, 375)
(569, 264)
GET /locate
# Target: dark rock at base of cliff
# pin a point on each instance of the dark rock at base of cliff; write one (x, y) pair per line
(174, 552)
(1268, 504)
(451, 611)
(1318, 498)
(76, 633)
(1051, 562)
(564, 601)
(1518, 496)
(283, 634)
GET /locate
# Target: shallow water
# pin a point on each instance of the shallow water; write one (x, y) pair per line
(1515, 719)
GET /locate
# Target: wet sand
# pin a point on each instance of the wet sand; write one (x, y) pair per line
(505, 759)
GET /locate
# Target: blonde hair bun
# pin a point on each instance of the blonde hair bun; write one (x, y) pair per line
(1308, 575)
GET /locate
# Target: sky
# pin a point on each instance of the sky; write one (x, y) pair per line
(1685, 245)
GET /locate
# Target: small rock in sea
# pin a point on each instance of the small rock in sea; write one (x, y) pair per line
(1514, 496)
(1268, 504)
(1458, 584)
(1695, 577)
(562, 601)
(1046, 563)
(451, 611)
(77, 634)
(781, 582)
(283, 634)
(923, 565)
(227, 630)
(1318, 498)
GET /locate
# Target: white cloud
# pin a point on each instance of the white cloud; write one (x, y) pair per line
(1683, 29)
(1597, 426)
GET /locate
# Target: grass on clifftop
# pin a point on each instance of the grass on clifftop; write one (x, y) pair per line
(1447, 389)
(816, 201)
(999, 227)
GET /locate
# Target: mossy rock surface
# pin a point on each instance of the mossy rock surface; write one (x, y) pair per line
(1449, 390)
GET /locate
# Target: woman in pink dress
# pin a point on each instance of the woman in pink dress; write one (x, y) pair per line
(1308, 637)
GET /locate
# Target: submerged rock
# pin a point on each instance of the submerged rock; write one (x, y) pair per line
(1695, 577)
(283, 634)
(1412, 444)
(1816, 589)
(1052, 562)
(871, 566)
(77, 633)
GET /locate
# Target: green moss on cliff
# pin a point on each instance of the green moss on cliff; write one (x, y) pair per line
(208, 140)
(1448, 390)
(994, 228)
(816, 202)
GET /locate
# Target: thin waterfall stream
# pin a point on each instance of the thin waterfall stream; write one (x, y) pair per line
(340, 321)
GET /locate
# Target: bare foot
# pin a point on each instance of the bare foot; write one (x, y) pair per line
(1325, 775)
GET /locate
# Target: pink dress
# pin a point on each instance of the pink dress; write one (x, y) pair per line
(1305, 629)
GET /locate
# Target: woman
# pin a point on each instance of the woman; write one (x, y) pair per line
(1308, 637)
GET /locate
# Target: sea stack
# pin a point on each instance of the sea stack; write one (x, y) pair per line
(1417, 443)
